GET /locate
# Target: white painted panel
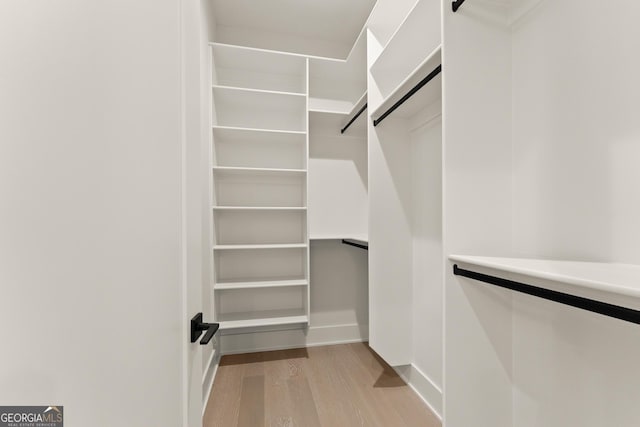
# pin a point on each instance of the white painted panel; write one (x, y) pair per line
(575, 197)
(337, 178)
(390, 242)
(426, 167)
(91, 311)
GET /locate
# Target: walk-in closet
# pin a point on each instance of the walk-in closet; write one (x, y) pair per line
(320, 213)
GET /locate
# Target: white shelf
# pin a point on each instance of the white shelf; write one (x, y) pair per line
(250, 247)
(403, 52)
(259, 284)
(257, 91)
(621, 281)
(258, 208)
(243, 170)
(334, 106)
(427, 95)
(237, 129)
(255, 319)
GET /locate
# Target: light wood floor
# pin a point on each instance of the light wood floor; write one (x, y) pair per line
(333, 386)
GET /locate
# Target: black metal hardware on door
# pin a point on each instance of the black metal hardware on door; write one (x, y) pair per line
(456, 5)
(198, 327)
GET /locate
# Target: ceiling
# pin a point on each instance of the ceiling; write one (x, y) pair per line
(337, 22)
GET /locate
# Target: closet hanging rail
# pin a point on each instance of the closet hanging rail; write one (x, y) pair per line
(408, 95)
(353, 119)
(357, 243)
(594, 306)
(456, 5)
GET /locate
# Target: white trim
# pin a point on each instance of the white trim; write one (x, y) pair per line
(290, 339)
(211, 371)
(182, 224)
(423, 386)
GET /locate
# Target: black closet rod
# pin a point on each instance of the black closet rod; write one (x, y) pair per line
(357, 243)
(456, 5)
(409, 94)
(594, 306)
(364, 107)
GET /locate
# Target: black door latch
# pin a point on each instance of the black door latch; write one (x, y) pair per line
(198, 326)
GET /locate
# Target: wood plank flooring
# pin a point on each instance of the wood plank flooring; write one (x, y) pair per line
(333, 386)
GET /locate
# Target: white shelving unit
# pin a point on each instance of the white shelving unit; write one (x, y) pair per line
(259, 188)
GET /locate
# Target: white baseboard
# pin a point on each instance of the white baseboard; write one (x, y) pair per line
(209, 375)
(293, 338)
(423, 386)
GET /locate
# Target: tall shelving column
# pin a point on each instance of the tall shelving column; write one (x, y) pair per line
(259, 147)
(405, 194)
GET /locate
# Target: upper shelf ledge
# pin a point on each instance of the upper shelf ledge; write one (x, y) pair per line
(620, 280)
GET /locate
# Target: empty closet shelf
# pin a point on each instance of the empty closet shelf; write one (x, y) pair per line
(259, 208)
(259, 284)
(228, 170)
(230, 130)
(273, 246)
(257, 91)
(609, 289)
(256, 319)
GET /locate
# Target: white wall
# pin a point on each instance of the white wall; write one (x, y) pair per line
(576, 150)
(90, 139)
